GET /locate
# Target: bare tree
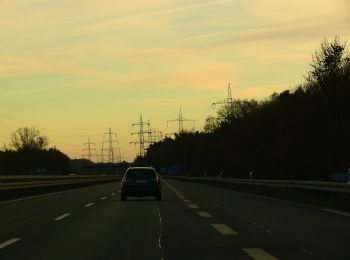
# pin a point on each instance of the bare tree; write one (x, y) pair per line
(27, 138)
(329, 64)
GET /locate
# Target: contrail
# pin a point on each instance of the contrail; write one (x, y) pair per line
(167, 11)
(208, 35)
(121, 20)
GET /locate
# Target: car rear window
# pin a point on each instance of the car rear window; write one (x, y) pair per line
(141, 174)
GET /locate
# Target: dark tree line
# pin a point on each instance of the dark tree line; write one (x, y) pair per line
(27, 153)
(302, 133)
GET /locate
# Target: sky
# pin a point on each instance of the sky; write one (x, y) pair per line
(73, 69)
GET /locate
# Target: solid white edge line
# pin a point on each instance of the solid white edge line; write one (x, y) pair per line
(337, 212)
(36, 196)
(40, 196)
(62, 217)
(9, 242)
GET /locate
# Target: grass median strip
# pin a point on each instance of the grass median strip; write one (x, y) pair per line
(258, 254)
(9, 242)
(223, 229)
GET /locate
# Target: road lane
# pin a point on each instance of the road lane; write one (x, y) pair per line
(224, 225)
(112, 228)
(285, 230)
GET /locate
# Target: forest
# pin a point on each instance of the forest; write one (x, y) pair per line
(302, 133)
(28, 153)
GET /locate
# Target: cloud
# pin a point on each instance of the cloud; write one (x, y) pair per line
(28, 92)
(21, 66)
(201, 36)
(111, 22)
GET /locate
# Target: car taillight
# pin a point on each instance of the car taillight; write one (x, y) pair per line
(125, 180)
(157, 180)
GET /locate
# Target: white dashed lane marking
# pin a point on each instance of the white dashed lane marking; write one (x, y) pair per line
(89, 205)
(9, 242)
(112, 194)
(62, 217)
(193, 206)
(187, 201)
(103, 198)
(204, 214)
(223, 229)
(258, 254)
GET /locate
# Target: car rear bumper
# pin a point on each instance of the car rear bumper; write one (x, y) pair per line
(139, 192)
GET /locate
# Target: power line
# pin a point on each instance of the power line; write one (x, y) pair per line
(180, 121)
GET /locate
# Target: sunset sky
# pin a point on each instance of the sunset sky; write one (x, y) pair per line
(73, 68)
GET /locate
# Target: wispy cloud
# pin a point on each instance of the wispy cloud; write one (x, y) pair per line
(201, 36)
(111, 22)
(28, 92)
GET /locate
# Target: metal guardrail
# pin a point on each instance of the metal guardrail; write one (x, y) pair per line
(38, 178)
(33, 185)
(313, 185)
(60, 182)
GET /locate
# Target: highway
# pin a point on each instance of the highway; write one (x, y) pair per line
(193, 221)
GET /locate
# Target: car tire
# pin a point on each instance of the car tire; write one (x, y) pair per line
(122, 197)
(159, 197)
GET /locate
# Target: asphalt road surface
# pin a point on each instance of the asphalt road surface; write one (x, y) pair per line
(193, 221)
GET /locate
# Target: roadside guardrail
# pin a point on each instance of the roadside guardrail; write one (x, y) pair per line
(21, 186)
(334, 195)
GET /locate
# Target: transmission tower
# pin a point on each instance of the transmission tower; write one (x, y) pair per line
(88, 150)
(141, 133)
(101, 153)
(228, 102)
(153, 135)
(159, 136)
(181, 121)
(112, 155)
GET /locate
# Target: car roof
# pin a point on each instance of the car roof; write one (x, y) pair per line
(141, 168)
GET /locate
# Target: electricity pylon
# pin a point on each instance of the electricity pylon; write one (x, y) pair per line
(101, 151)
(181, 121)
(153, 135)
(228, 102)
(88, 150)
(141, 133)
(111, 139)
